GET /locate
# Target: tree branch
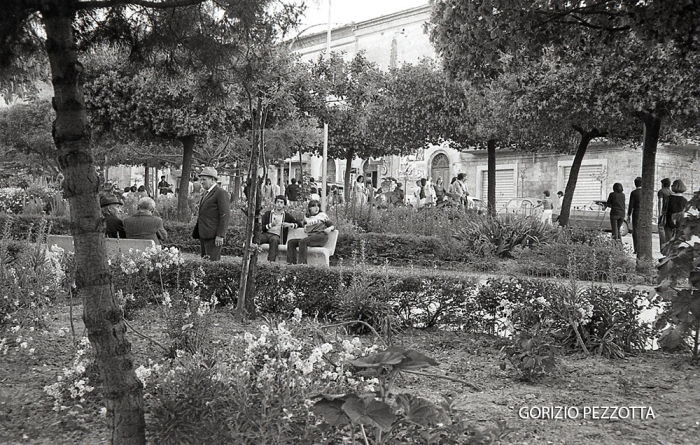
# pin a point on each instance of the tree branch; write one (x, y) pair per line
(145, 3)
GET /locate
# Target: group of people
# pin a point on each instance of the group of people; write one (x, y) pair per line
(213, 217)
(276, 223)
(429, 194)
(141, 225)
(671, 206)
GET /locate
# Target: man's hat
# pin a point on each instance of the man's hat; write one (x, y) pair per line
(109, 199)
(211, 172)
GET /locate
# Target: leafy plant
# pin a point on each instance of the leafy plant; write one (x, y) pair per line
(531, 353)
(408, 419)
(679, 276)
(501, 234)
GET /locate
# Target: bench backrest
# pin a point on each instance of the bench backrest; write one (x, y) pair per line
(114, 245)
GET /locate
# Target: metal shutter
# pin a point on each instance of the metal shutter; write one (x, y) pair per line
(505, 186)
(588, 186)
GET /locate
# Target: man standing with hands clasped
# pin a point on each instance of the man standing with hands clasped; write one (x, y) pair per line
(214, 215)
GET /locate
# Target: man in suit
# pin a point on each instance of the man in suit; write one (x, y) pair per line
(214, 215)
(143, 225)
(114, 227)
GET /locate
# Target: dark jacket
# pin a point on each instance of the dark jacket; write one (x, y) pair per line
(635, 202)
(145, 226)
(114, 226)
(616, 202)
(214, 214)
(676, 204)
(288, 218)
(292, 192)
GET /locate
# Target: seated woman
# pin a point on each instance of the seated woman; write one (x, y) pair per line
(317, 226)
(143, 225)
(275, 225)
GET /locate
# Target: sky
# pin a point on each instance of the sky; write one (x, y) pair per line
(346, 11)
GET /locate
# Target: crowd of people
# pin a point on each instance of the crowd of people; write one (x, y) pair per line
(671, 205)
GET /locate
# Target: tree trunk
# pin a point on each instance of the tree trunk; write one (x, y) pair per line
(491, 163)
(147, 178)
(250, 255)
(586, 138)
(652, 128)
(183, 207)
(103, 317)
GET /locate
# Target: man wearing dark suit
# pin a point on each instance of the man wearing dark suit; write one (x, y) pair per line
(114, 227)
(214, 215)
(275, 225)
(633, 210)
(143, 225)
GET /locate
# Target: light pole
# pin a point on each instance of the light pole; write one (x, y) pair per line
(324, 161)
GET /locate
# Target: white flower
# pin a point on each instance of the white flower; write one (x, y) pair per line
(103, 412)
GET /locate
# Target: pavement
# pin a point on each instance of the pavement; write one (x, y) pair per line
(655, 248)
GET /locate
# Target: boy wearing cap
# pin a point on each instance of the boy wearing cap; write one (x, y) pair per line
(214, 215)
(110, 209)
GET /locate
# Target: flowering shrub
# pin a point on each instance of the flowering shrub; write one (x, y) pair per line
(255, 394)
(30, 278)
(74, 384)
(137, 275)
(15, 200)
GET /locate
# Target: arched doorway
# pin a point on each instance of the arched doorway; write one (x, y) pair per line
(440, 168)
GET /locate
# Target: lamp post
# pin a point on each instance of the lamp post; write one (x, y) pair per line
(324, 161)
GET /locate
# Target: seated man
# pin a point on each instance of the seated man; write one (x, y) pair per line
(143, 225)
(275, 225)
(110, 205)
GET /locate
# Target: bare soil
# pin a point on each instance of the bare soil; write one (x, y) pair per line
(668, 384)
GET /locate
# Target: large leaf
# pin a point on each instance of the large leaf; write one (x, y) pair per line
(378, 359)
(330, 408)
(369, 412)
(421, 411)
(415, 360)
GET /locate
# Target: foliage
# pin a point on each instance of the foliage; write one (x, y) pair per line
(421, 105)
(29, 277)
(77, 384)
(411, 418)
(17, 200)
(500, 235)
(532, 353)
(25, 130)
(255, 395)
(679, 283)
(366, 299)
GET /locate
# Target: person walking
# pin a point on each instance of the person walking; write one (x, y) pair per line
(675, 208)
(633, 210)
(616, 202)
(143, 224)
(547, 207)
(111, 208)
(293, 190)
(213, 216)
(275, 226)
(662, 201)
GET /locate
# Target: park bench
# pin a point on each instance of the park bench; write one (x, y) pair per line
(115, 246)
(316, 256)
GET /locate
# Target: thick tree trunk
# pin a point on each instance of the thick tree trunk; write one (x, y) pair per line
(102, 316)
(586, 138)
(246, 290)
(491, 164)
(652, 128)
(183, 208)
